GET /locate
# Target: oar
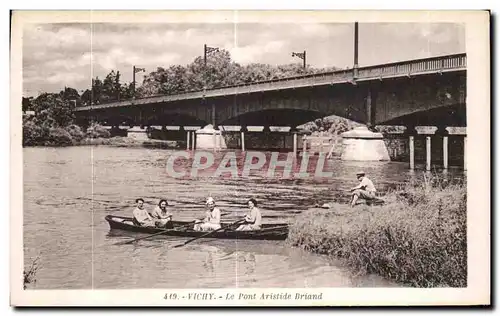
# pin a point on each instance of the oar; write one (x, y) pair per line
(164, 231)
(209, 233)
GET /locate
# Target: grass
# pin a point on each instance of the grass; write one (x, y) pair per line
(30, 273)
(418, 238)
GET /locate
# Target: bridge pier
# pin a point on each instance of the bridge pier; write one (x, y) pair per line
(294, 131)
(188, 139)
(193, 140)
(242, 133)
(304, 144)
(411, 132)
(361, 144)
(441, 137)
(209, 138)
(443, 132)
(428, 153)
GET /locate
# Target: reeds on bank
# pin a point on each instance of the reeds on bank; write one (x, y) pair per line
(418, 238)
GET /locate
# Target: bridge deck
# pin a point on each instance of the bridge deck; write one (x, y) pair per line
(448, 63)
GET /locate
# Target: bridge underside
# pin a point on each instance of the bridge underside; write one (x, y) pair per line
(432, 99)
(275, 117)
(453, 115)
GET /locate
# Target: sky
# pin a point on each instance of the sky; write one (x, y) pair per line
(57, 55)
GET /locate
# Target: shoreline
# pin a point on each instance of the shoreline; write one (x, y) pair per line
(117, 141)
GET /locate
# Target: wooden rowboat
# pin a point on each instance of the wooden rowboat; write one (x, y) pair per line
(267, 231)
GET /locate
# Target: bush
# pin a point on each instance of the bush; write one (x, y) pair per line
(34, 134)
(76, 133)
(418, 238)
(59, 137)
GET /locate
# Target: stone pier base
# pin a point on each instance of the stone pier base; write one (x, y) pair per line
(361, 144)
(207, 138)
(137, 133)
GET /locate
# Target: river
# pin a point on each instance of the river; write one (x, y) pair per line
(69, 191)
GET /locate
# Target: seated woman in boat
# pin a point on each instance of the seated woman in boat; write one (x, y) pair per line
(253, 219)
(141, 216)
(161, 216)
(212, 219)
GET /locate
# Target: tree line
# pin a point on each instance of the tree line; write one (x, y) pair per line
(53, 122)
(219, 71)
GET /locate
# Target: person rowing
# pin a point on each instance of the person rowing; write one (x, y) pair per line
(141, 216)
(253, 218)
(161, 216)
(212, 218)
(365, 189)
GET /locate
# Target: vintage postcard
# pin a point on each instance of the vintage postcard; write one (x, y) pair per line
(250, 158)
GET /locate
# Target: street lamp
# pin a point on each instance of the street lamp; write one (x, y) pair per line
(301, 56)
(208, 50)
(136, 70)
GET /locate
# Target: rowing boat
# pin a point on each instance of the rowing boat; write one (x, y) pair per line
(183, 229)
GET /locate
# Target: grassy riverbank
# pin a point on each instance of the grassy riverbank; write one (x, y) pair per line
(417, 238)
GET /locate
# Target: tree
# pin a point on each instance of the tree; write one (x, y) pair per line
(86, 97)
(26, 104)
(69, 94)
(97, 90)
(111, 87)
(53, 111)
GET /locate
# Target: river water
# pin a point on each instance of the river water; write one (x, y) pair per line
(69, 191)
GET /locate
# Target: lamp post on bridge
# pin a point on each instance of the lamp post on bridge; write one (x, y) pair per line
(136, 70)
(301, 56)
(207, 51)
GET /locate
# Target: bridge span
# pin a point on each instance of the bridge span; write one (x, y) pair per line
(423, 92)
(396, 93)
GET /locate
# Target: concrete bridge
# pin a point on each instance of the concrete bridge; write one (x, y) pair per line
(427, 91)
(423, 92)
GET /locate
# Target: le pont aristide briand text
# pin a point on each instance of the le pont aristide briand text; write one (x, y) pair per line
(280, 296)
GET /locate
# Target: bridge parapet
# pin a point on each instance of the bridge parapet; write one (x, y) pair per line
(416, 67)
(457, 62)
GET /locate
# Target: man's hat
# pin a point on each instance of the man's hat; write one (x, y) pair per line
(360, 173)
(210, 200)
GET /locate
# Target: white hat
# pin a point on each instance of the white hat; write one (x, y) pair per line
(210, 200)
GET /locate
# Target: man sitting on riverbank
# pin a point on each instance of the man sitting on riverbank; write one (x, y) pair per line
(141, 216)
(365, 189)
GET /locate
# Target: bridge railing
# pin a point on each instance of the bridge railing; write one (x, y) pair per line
(426, 65)
(432, 64)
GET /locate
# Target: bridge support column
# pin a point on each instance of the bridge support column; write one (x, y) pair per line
(428, 153)
(193, 140)
(188, 139)
(294, 131)
(411, 132)
(242, 133)
(360, 144)
(214, 137)
(444, 133)
(304, 144)
(465, 152)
